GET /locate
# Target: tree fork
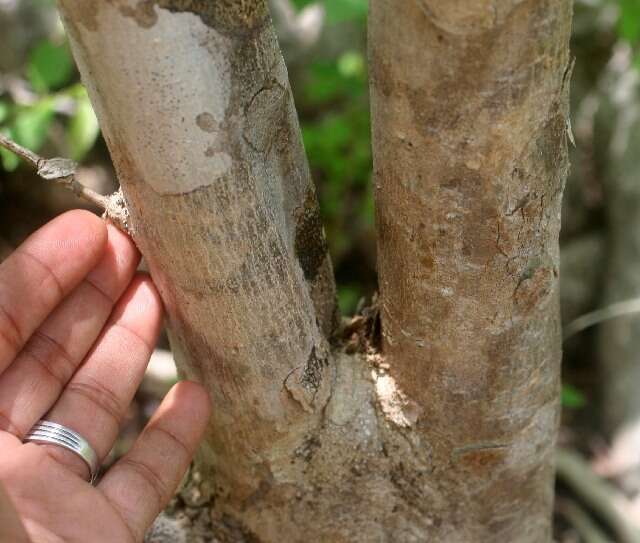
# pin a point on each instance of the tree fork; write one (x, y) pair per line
(469, 109)
(425, 441)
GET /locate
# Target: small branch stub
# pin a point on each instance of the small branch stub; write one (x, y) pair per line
(63, 172)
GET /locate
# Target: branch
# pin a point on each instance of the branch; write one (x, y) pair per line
(595, 493)
(581, 521)
(612, 311)
(63, 172)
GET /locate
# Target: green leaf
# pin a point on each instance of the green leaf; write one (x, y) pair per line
(5, 109)
(329, 81)
(50, 66)
(83, 128)
(345, 10)
(348, 298)
(31, 124)
(351, 64)
(629, 22)
(324, 83)
(10, 161)
(572, 397)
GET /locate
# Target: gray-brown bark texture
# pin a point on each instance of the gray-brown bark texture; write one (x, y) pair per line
(446, 435)
(469, 114)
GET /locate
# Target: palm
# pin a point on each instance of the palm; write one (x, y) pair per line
(55, 504)
(76, 331)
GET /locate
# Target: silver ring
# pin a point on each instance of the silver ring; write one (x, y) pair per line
(52, 433)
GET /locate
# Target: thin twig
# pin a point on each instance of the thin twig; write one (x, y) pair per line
(619, 309)
(596, 493)
(581, 522)
(12, 146)
(63, 172)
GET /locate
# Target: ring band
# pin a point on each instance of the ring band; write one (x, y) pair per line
(52, 433)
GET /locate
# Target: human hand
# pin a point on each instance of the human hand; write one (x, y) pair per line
(77, 328)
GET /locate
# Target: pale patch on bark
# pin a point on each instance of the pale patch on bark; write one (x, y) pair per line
(200, 121)
(396, 406)
(179, 64)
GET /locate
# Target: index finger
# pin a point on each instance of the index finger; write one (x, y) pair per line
(42, 271)
(140, 485)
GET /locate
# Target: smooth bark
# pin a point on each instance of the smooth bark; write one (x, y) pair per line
(195, 106)
(469, 106)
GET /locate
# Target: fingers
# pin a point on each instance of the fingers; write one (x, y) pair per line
(33, 382)
(141, 484)
(97, 397)
(41, 272)
(11, 528)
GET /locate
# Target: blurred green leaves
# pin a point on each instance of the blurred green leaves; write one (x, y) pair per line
(345, 10)
(4, 110)
(53, 97)
(83, 127)
(348, 298)
(572, 398)
(50, 66)
(27, 126)
(339, 11)
(32, 123)
(629, 20)
(337, 139)
(629, 25)
(334, 106)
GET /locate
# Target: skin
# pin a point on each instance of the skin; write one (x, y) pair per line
(77, 328)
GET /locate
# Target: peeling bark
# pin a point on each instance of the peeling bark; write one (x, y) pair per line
(469, 105)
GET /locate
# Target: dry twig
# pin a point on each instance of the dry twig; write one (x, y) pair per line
(63, 172)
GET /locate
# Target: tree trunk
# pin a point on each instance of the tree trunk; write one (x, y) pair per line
(469, 114)
(445, 435)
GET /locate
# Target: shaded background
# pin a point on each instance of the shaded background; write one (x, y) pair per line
(45, 108)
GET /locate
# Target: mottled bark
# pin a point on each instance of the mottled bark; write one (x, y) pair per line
(195, 106)
(430, 440)
(469, 104)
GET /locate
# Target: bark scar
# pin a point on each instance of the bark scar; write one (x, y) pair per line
(303, 382)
